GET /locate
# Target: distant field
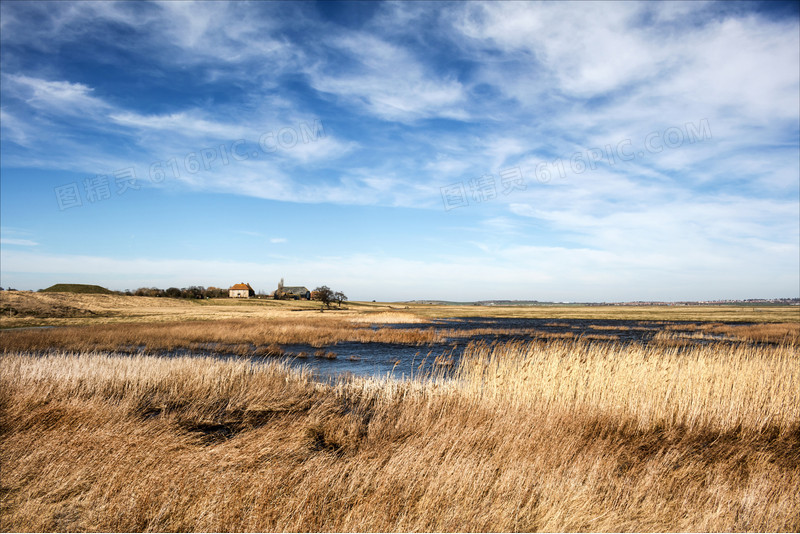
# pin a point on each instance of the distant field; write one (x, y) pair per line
(22, 308)
(732, 313)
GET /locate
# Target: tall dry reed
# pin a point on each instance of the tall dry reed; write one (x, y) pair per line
(717, 387)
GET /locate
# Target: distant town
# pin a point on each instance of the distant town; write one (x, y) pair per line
(765, 302)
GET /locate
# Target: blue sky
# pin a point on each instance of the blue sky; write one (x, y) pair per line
(579, 151)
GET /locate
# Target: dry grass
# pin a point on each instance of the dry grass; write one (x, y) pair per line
(776, 333)
(264, 337)
(237, 336)
(246, 337)
(712, 388)
(561, 436)
(764, 333)
(729, 313)
(24, 308)
(531, 333)
(389, 318)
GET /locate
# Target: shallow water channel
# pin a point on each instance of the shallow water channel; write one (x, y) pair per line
(405, 361)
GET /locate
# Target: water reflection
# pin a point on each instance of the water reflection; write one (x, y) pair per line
(407, 361)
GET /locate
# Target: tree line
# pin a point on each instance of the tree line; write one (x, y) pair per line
(191, 292)
(323, 294)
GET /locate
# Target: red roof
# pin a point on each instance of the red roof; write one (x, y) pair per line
(241, 286)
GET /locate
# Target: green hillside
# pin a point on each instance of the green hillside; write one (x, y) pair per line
(77, 288)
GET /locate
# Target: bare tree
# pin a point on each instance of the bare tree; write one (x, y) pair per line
(324, 295)
(339, 297)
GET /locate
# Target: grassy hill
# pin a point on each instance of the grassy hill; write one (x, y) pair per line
(77, 288)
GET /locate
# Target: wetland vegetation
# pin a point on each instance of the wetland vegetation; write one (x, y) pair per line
(528, 429)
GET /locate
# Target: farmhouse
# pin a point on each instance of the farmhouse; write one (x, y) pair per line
(241, 291)
(297, 292)
(292, 292)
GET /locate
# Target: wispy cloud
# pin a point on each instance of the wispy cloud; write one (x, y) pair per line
(387, 81)
(18, 242)
(54, 96)
(187, 124)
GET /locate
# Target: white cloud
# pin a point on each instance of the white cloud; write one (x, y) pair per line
(13, 129)
(556, 37)
(225, 31)
(55, 96)
(446, 166)
(321, 150)
(186, 124)
(18, 242)
(182, 137)
(721, 67)
(387, 81)
(176, 32)
(686, 234)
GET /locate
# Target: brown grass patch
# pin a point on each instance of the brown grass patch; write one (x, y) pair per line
(389, 318)
(776, 333)
(600, 337)
(238, 336)
(766, 333)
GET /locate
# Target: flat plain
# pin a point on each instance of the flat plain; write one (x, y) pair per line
(547, 435)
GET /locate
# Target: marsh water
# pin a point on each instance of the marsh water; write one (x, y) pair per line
(405, 361)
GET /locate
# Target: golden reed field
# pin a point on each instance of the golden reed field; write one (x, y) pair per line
(546, 435)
